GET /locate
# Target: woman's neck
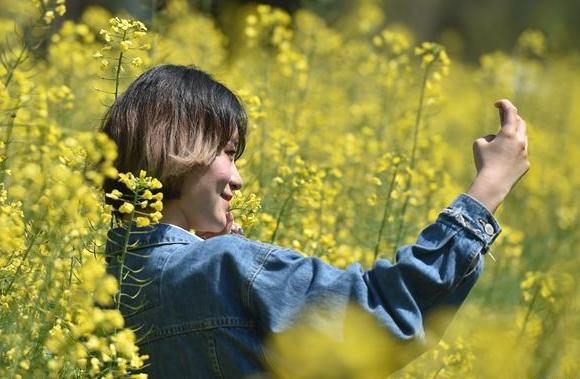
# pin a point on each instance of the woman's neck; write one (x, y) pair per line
(172, 214)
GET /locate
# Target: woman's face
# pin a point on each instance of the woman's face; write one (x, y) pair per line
(206, 194)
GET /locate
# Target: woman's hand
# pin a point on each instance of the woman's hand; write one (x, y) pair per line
(231, 228)
(502, 159)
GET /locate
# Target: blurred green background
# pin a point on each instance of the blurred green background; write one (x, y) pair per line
(468, 28)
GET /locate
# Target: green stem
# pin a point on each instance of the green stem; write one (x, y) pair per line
(124, 252)
(529, 312)
(437, 373)
(494, 278)
(386, 209)
(28, 249)
(280, 214)
(13, 68)
(419, 115)
(413, 157)
(385, 119)
(7, 142)
(119, 69)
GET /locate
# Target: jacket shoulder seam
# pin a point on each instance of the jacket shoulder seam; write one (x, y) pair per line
(254, 274)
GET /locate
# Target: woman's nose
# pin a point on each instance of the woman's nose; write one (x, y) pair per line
(236, 182)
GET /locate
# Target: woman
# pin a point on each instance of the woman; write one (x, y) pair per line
(212, 298)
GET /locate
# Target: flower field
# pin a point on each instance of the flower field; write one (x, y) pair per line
(359, 135)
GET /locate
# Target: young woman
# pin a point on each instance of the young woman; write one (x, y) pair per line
(212, 298)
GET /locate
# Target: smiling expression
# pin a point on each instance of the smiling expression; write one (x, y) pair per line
(206, 194)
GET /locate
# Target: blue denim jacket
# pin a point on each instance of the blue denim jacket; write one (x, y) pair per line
(207, 305)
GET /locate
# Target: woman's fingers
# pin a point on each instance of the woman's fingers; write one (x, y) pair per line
(508, 114)
(233, 227)
(237, 229)
(229, 223)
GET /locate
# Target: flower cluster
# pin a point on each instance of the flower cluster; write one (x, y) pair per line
(395, 41)
(436, 63)
(432, 53)
(50, 9)
(123, 35)
(269, 22)
(551, 287)
(90, 338)
(532, 42)
(271, 26)
(247, 207)
(142, 197)
(175, 45)
(11, 228)
(125, 47)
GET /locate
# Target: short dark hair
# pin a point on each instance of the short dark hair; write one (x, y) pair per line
(169, 121)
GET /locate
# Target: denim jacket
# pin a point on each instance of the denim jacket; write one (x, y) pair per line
(204, 307)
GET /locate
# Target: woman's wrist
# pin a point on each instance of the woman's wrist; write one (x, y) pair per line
(486, 193)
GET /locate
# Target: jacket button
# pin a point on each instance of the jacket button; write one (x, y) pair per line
(489, 229)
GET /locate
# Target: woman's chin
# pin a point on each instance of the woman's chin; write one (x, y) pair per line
(219, 224)
(215, 226)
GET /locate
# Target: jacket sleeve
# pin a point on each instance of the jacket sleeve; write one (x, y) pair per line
(438, 270)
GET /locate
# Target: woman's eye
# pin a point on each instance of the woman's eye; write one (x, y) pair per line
(231, 153)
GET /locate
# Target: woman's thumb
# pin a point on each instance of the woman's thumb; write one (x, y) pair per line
(229, 223)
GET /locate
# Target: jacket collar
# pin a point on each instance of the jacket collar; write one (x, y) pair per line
(148, 236)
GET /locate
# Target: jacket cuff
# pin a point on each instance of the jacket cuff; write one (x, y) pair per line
(475, 217)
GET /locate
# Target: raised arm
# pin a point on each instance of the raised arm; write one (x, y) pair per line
(425, 275)
(435, 272)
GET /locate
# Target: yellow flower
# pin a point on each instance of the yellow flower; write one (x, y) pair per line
(376, 181)
(124, 340)
(136, 62)
(48, 17)
(60, 9)
(125, 45)
(147, 195)
(142, 221)
(158, 205)
(25, 364)
(156, 216)
(428, 58)
(126, 208)
(114, 194)
(156, 184)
